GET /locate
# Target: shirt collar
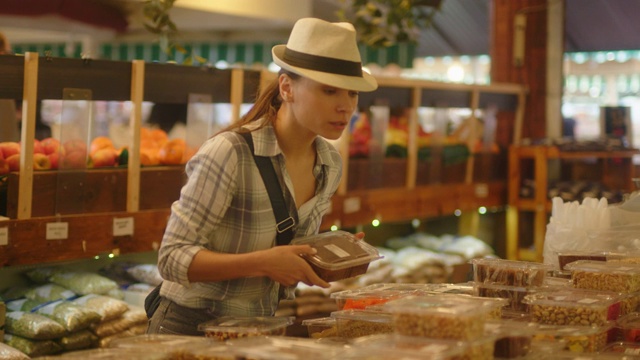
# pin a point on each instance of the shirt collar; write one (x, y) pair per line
(266, 144)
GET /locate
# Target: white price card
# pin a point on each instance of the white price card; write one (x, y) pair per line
(57, 230)
(122, 226)
(351, 205)
(482, 190)
(4, 236)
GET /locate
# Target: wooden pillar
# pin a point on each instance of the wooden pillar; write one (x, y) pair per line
(530, 17)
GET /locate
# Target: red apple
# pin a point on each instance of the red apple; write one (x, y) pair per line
(50, 145)
(14, 162)
(73, 160)
(37, 147)
(41, 162)
(9, 148)
(54, 159)
(4, 167)
(104, 157)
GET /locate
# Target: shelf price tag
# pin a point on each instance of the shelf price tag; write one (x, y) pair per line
(482, 190)
(351, 205)
(57, 230)
(122, 226)
(4, 236)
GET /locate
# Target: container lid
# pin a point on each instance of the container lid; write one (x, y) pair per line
(363, 315)
(338, 250)
(608, 267)
(361, 299)
(568, 330)
(160, 340)
(285, 348)
(629, 321)
(506, 327)
(463, 288)
(142, 353)
(511, 264)
(393, 287)
(572, 298)
(244, 325)
(444, 305)
(323, 321)
(624, 347)
(408, 347)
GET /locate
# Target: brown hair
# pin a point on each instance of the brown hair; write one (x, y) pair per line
(266, 106)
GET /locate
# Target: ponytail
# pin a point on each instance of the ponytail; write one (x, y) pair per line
(266, 106)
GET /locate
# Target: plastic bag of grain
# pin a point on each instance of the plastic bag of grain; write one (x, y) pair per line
(9, 353)
(32, 348)
(49, 292)
(84, 283)
(32, 326)
(73, 317)
(79, 340)
(146, 273)
(108, 308)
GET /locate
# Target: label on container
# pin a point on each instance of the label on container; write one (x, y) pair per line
(57, 230)
(337, 251)
(4, 236)
(123, 226)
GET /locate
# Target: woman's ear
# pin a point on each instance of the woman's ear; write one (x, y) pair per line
(285, 85)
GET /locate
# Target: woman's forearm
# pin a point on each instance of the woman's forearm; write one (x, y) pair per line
(208, 266)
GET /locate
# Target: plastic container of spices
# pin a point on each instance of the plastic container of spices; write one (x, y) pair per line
(340, 255)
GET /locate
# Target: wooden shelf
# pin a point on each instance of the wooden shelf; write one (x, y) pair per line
(88, 236)
(540, 205)
(144, 195)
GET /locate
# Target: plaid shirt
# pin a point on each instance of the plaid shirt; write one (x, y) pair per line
(224, 207)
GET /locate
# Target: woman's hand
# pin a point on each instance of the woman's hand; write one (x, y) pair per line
(286, 265)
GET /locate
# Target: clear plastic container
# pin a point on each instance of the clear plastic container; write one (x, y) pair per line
(627, 348)
(513, 338)
(513, 294)
(340, 255)
(321, 328)
(231, 327)
(160, 340)
(285, 348)
(509, 272)
(393, 346)
(462, 289)
(565, 258)
(628, 327)
(605, 276)
(574, 338)
(143, 353)
(361, 299)
(573, 307)
(358, 323)
(440, 316)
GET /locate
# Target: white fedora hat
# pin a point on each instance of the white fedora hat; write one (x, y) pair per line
(325, 52)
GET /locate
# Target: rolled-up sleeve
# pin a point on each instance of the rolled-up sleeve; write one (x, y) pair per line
(204, 199)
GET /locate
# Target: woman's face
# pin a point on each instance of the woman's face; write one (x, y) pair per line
(322, 109)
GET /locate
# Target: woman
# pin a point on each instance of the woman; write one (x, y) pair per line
(218, 255)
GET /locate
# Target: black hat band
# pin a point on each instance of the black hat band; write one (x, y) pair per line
(322, 63)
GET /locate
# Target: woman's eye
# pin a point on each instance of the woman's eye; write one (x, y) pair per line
(329, 91)
(353, 93)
